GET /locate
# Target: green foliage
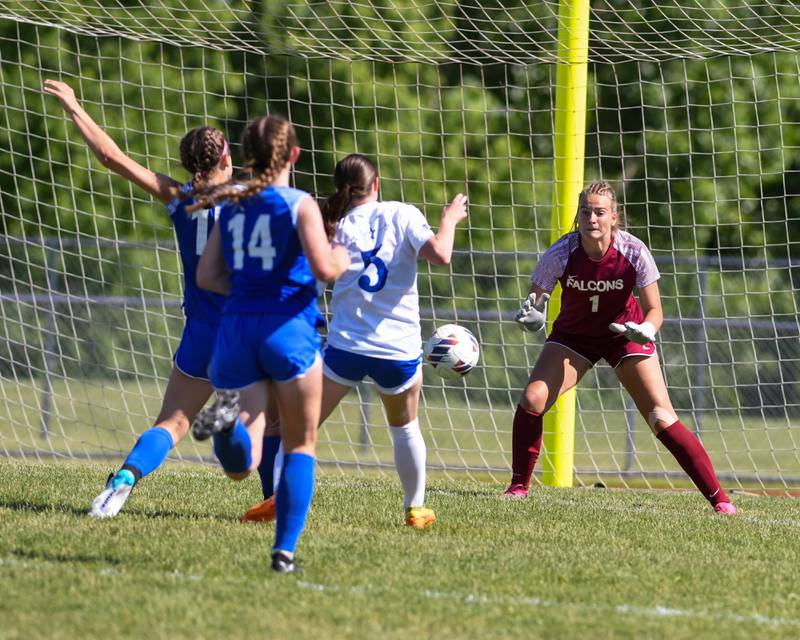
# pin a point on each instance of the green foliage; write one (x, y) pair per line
(703, 147)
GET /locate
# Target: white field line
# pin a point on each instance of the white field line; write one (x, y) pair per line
(473, 599)
(40, 563)
(657, 611)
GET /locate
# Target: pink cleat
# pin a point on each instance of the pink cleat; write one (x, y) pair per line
(725, 508)
(515, 490)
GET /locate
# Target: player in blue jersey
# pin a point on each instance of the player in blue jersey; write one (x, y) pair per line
(205, 155)
(375, 329)
(266, 254)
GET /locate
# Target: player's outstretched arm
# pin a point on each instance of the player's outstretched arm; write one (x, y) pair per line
(212, 272)
(327, 262)
(159, 186)
(532, 315)
(644, 332)
(439, 249)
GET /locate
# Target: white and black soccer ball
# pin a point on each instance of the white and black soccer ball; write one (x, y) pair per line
(452, 351)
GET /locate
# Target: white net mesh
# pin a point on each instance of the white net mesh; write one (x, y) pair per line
(693, 112)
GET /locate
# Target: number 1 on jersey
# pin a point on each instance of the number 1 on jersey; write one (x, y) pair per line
(202, 230)
(595, 303)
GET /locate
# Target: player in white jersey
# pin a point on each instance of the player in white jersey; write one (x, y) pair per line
(375, 329)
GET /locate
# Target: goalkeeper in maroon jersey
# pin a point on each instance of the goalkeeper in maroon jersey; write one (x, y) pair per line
(598, 266)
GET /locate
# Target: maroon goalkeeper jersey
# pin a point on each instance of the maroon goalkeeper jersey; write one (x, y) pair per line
(596, 293)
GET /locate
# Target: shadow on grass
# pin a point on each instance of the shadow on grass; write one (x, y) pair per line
(49, 556)
(18, 505)
(180, 515)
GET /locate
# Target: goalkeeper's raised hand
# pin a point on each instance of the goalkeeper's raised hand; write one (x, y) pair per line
(639, 333)
(531, 315)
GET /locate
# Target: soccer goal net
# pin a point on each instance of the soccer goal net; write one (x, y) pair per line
(694, 115)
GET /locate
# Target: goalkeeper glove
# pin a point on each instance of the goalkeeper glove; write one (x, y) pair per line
(531, 315)
(639, 333)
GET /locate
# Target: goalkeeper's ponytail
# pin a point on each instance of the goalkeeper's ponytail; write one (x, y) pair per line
(353, 178)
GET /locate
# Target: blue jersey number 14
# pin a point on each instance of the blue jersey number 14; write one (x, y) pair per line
(259, 245)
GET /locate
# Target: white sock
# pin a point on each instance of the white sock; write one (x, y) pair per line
(409, 459)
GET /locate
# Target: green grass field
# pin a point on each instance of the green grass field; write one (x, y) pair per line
(562, 564)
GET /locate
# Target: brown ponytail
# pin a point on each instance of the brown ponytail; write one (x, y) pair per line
(266, 148)
(353, 178)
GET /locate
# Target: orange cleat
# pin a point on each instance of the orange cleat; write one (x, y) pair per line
(262, 512)
(420, 517)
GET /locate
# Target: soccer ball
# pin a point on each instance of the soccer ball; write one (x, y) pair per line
(452, 351)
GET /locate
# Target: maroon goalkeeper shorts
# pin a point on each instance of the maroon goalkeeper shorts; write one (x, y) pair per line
(612, 349)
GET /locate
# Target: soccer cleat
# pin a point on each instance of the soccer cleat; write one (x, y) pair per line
(282, 562)
(109, 502)
(261, 512)
(725, 508)
(220, 416)
(420, 517)
(515, 490)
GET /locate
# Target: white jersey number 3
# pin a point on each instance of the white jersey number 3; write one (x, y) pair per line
(259, 245)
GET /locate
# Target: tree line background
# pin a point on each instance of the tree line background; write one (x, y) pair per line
(689, 116)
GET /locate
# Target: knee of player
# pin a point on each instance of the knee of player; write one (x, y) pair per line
(534, 398)
(659, 418)
(176, 425)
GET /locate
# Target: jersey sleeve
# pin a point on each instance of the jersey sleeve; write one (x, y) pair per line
(292, 198)
(551, 265)
(174, 205)
(646, 269)
(418, 231)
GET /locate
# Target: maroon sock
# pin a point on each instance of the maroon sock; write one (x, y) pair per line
(526, 441)
(694, 460)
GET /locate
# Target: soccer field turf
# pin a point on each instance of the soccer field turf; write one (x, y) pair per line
(562, 564)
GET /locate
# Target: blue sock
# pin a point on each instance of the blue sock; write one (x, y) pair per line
(267, 466)
(295, 490)
(233, 448)
(150, 451)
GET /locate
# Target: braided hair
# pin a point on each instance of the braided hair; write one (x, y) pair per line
(601, 188)
(266, 148)
(201, 150)
(353, 178)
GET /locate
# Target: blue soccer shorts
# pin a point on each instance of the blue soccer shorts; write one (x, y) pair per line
(392, 377)
(194, 352)
(263, 346)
